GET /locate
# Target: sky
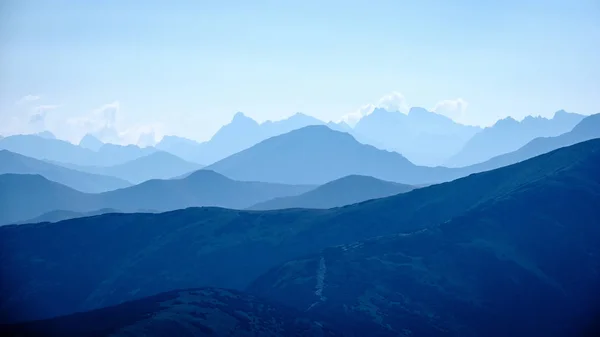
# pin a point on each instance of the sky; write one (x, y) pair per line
(126, 68)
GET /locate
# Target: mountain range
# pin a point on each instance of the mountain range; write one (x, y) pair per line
(241, 133)
(341, 192)
(509, 135)
(156, 165)
(424, 137)
(85, 182)
(24, 196)
(508, 251)
(56, 150)
(317, 154)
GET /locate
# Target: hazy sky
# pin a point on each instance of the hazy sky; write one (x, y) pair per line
(185, 67)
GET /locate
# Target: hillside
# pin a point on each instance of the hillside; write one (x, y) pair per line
(152, 253)
(340, 192)
(24, 197)
(317, 155)
(192, 312)
(522, 263)
(85, 182)
(60, 215)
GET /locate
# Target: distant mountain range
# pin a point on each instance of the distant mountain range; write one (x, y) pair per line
(241, 133)
(85, 182)
(516, 243)
(24, 197)
(424, 137)
(156, 165)
(509, 135)
(588, 128)
(340, 192)
(61, 151)
(317, 155)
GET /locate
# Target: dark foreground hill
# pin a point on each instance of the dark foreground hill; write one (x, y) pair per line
(536, 222)
(526, 263)
(344, 191)
(85, 182)
(23, 197)
(194, 312)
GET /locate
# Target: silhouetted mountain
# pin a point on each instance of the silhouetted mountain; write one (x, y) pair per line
(184, 148)
(523, 263)
(25, 197)
(509, 135)
(423, 137)
(151, 253)
(156, 165)
(85, 182)
(64, 152)
(201, 188)
(341, 192)
(241, 133)
(90, 142)
(192, 312)
(317, 155)
(60, 215)
(588, 128)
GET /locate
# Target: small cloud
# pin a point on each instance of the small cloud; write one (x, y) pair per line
(27, 98)
(456, 109)
(105, 123)
(39, 114)
(394, 101)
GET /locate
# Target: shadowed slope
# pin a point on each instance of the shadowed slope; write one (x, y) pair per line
(193, 312)
(524, 263)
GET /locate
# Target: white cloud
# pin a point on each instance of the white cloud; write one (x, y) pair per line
(394, 101)
(456, 109)
(107, 124)
(27, 98)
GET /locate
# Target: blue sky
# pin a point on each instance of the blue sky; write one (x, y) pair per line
(185, 67)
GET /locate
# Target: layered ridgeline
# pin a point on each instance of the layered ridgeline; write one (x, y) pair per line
(85, 182)
(588, 128)
(157, 165)
(524, 263)
(506, 249)
(508, 135)
(424, 137)
(193, 312)
(61, 151)
(23, 197)
(317, 155)
(341, 192)
(241, 133)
